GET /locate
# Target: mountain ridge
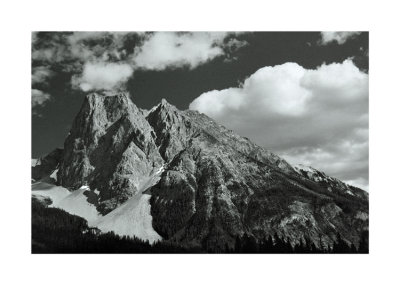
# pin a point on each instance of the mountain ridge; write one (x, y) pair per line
(216, 185)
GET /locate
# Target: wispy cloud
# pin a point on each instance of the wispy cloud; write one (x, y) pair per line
(39, 97)
(339, 37)
(41, 74)
(176, 50)
(92, 56)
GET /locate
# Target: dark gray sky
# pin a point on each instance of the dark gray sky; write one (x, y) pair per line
(303, 95)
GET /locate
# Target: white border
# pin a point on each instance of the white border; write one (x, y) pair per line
(18, 19)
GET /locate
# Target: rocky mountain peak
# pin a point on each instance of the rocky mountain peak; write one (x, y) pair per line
(110, 147)
(162, 109)
(109, 99)
(116, 102)
(214, 186)
(165, 103)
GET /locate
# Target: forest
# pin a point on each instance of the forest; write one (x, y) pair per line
(56, 231)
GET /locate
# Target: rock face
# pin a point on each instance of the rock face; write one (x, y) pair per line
(111, 148)
(44, 167)
(330, 183)
(216, 185)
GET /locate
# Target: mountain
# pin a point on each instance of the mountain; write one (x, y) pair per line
(330, 183)
(180, 176)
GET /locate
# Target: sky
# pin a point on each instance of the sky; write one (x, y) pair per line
(302, 95)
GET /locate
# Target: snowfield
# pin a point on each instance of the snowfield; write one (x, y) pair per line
(76, 203)
(55, 193)
(133, 218)
(72, 202)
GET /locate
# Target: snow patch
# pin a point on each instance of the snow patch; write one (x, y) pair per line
(55, 193)
(153, 109)
(304, 168)
(132, 218)
(35, 161)
(161, 170)
(72, 202)
(85, 187)
(54, 174)
(76, 203)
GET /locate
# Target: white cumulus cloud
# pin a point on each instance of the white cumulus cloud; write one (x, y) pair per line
(339, 37)
(163, 50)
(102, 75)
(311, 116)
(104, 54)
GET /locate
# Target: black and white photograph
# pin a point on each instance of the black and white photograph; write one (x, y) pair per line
(200, 142)
(209, 142)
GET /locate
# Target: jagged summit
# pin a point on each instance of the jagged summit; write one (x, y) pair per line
(213, 186)
(163, 105)
(164, 102)
(100, 95)
(106, 93)
(114, 104)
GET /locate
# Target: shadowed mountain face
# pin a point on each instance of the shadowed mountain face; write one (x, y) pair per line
(215, 185)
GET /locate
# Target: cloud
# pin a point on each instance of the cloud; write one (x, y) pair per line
(339, 37)
(71, 50)
(39, 98)
(88, 55)
(235, 44)
(41, 74)
(95, 60)
(346, 159)
(311, 116)
(97, 46)
(175, 50)
(102, 75)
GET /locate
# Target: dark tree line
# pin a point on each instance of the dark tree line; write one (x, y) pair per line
(56, 231)
(276, 244)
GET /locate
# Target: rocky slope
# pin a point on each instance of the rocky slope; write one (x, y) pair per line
(330, 183)
(47, 166)
(215, 185)
(111, 148)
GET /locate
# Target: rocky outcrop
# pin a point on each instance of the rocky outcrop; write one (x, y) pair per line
(215, 184)
(111, 148)
(330, 183)
(44, 167)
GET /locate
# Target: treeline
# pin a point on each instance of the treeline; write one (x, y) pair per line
(248, 244)
(56, 231)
